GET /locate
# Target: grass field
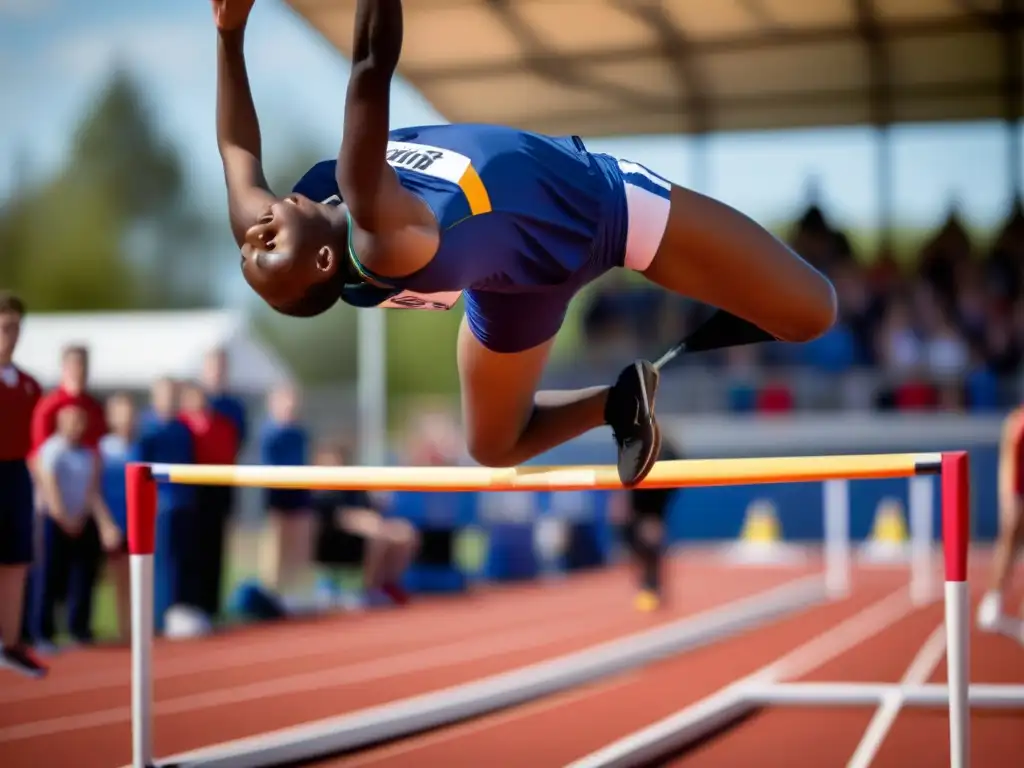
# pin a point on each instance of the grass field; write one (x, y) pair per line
(470, 551)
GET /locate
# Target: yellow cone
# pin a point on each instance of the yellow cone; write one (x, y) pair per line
(889, 537)
(890, 526)
(761, 526)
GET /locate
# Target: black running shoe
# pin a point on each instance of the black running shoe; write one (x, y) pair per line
(20, 659)
(630, 413)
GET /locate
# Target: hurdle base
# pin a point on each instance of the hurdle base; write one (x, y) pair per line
(929, 695)
(732, 704)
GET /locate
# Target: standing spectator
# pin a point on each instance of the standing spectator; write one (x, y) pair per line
(72, 390)
(216, 442)
(19, 394)
(162, 438)
(645, 535)
(284, 442)
(215, 385)
(898, 345)
(68, 472)
(115, 448)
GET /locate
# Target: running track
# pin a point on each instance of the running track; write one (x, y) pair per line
(253, 681)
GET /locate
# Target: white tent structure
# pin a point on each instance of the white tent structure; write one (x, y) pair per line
(128, 350)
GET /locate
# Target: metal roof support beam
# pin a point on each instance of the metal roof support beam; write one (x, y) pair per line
(673, 43)
(778, 38)
(881, 111)
(1008, 23)
(559, 68)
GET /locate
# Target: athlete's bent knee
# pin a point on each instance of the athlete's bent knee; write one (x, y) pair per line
(817, 313)
(488, 453)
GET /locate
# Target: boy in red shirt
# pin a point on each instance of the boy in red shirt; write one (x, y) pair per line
(19, 394)
(74, 376)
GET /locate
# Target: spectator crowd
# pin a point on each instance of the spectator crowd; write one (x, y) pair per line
(943, 332)
(63, 508)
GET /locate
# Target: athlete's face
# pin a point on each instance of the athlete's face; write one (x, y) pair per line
(289, 248)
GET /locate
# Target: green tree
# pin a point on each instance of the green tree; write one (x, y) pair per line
(113, 228)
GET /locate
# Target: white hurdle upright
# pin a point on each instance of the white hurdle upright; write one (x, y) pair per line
(837, 548)
(953, 467)
(766, 688)
(141, 498)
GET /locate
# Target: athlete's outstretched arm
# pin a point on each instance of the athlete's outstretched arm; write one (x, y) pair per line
(369, 187)
(238, 128)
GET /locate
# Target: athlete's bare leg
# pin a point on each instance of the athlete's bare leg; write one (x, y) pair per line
(717, 255)
(1011, 536)
(709, 252)
(506, 422)
(992, 614)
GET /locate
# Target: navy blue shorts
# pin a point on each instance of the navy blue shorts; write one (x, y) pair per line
(637, 215)
(17, 513)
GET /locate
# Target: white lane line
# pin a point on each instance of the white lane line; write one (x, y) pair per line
(340, 642)
(846, 635)
(920, 669)
(452, 654)
(521, 712)
(676, 730)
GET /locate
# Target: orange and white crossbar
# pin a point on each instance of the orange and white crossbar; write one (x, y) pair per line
(142, 480)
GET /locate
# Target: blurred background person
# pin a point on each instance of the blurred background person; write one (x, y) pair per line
(215, 382)
(163, 438)
(115, 448)
(645, 535)
(352, 531)
(992, 615)
(75, 521)
(215, 441)
(19, 394)
(72, 390)
(286, 547)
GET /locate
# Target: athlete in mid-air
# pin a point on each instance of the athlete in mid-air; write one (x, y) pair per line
(515, 222)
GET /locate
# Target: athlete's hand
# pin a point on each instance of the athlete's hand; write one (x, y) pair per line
(231, 15)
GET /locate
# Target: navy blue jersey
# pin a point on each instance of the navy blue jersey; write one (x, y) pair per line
(516, 210)
(525, 221)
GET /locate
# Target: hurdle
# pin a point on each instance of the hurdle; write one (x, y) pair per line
(953, 468)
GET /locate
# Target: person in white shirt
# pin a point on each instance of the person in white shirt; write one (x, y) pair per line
(74, 515)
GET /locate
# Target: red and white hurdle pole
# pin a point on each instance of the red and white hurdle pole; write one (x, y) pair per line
(956, 532)
(141, 497)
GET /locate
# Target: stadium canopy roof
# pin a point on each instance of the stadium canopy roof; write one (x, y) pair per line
(612, 67)
(128, 350)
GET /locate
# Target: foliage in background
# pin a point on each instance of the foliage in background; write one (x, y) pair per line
(113, 228)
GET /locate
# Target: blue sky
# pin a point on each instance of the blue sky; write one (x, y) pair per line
(55, 54)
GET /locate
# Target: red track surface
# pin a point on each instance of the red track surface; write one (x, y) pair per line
(253, 681)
